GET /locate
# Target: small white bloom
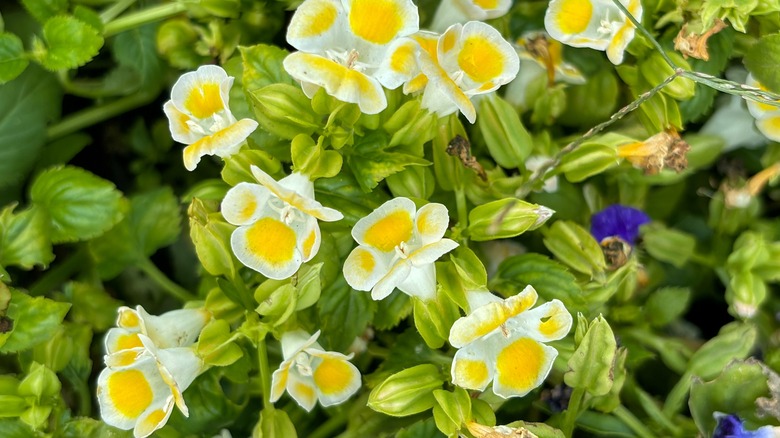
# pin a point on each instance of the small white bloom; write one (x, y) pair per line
(199, 116)
(342, 44)
(277, 223)
(398, 246)
(597, 24)
(177, 328)
(503, 341)
(450, 12)
(309, 373)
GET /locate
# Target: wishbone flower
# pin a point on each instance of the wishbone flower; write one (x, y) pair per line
(177, 328)
(398, 246)
(503, 341)
(277, 223)
(342, 44)
(199, 116)
(471, 59)
(309, 373)
(450, 12)
(597, 24)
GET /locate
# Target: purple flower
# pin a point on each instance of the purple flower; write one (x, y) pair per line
(618, 221)
(730, 426)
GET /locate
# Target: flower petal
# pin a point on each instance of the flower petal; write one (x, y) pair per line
(472, 366)
(178, 367)
(311, 240)
(619, 42)
(293, 342)
(398, 273)
(316, 24)
(125, 394)
(400, 63)
(431, 222)
(334, 376)
(222, 143)
(430, 253)
(177, 328)
(279, 381)
(128, 318)
(770, 126)
(576, 22)
(381, 21)
(548, 322)
(244, 203)
(420, 282)
(199, 93)
(387, 226)
(521, 365)
(364, 267)
(153, 419)
(345, 84)
(177, 123)
(302, 389)
(269, 246)
(482, 54)
(490, 317)
(297, 190)
(119, 339)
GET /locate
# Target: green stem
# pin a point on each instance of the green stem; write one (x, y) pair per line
(651, 408)
(265, 373)
(330, 426)
(460, 200)
(98, 113)
(632, 422)
(573, 411)
(163, 281)
(541, 172)
(58, 274)
(677, 396)
(644, 32)
(114, 10)
(137, 19)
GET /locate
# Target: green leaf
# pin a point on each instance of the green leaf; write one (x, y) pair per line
(590, 367)
(215, 344)
(734, 341)
(30, 101)
(85, 427)
(70, 43)
(35, 320)
(136, 49)
(391, 311)
(12, 57)
(763, 61)
(550, 279)
(343, 193)
(344, 314)
(667, 304)
(154, 221)
(263, 66)
(668, 245)
(24, 238)
(371, 163)
(42, 10)
(274, 423)
(81, 205)
(408, 349)
(15, 428)
(505, 136)
(92, 305)
(211, 406)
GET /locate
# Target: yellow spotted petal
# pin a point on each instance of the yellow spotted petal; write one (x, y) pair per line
(202, 93)
(399, 64)
(485, 56)
(757, 109)
(223, 143)
(311, 239)
(128, 318)
(472, 367)
(570, 17)
(124, 394)
(153, 419)
(382, 21)
(521, 365)
(245, 203)
(490, 317)
(279, 381)
(334, 376)
(770, 126)
(548, 322)
(119, 339)
(124, 358)
(364, 267)
(303, 390)
(316, 24)
(388, 226)
(443, 96)
(177, 123)
(619, 43)
(177, 367)
(432, 222)
(268, 246)
(345, 84)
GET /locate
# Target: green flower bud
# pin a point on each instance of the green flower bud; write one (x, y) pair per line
(211, 236)
(215, 344)
(434, 318)
(508, 217)
(655, 70)
(505, 136)
(448, 169)
(590, 367)
(734, 341)
(668, 245)
(56, 352)
(284, 111)
(222, 8)
(407, 392)
(40, 383)
(452, 410)
(36, 416)
(412, 182)
(574, 246)
(12, 406)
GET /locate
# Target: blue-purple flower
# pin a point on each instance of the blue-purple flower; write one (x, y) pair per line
(618, 221)
(731, 426)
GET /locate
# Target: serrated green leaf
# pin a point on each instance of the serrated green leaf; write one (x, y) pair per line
(408, 349)
(136, 49)
(12, 57)
(30, 101)
(371, 163)
(42, 10)
(70, 43)
(35, 320)
(668, 245)
(344, 314)
(343, 193)
(24, 238)
(550, 279)
(80, 205)
(263, 66)
(391, 311)
(92, 305)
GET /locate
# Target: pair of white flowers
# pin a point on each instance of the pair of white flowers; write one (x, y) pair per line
(354, 48)
(150, 361)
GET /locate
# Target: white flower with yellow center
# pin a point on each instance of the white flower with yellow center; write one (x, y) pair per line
(450, 12)
(767, 116)
(177, 328)
(310, 373)
(503, 341)
(597, 24)
(277, 223)
(398, 246)
(199, 116)
(471, 59)
(342, 44)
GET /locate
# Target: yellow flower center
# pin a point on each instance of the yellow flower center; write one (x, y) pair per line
(204, 101)
(377, 21)
(272, 241)
(130, 392)
(574, 15)
(332, 376)
(480, 59)
(390, 231)
(520, 363)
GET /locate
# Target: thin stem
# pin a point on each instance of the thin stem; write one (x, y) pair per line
(265, 373)
(61, 272)
(541, 172)
(632, 422)
(164, 282)
(651, 408)
(677, 396)
(114, 10)
(137, 19)
(573, 411)
(644, 32)
(98, 113)
(333, 424)
(734, 88)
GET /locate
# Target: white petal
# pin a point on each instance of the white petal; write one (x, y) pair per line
(199, 93)
(153, 419)
(223, 143)
(269, 246)
(522, 364)
(432, 222)
(420, 282)
(335, 377)
(391, 280)
(302, 389)
(317, 25)
(177, 123)
(177, 328)
(245, 203)
(293, 342)
(490, 317)
(127, 393)
(431, 252)
(473, 365)
(364, 267)
(548, 322)
(387, 226)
